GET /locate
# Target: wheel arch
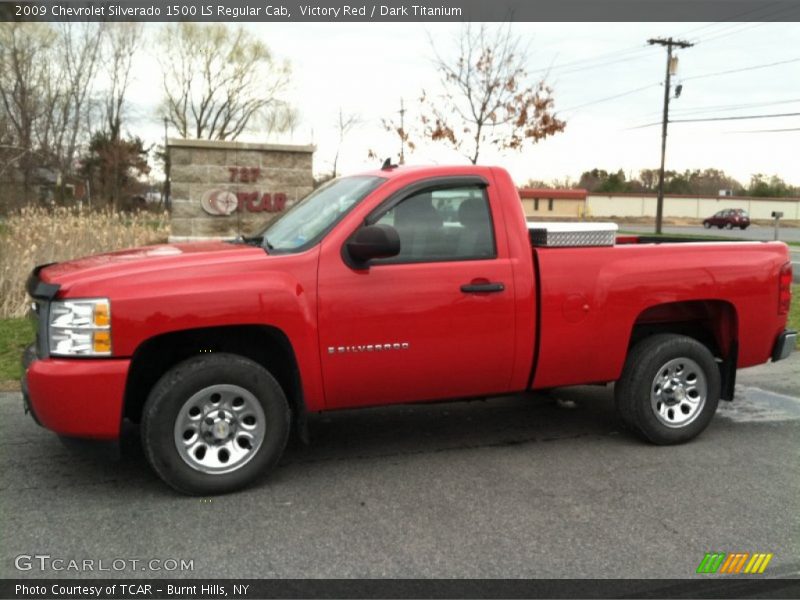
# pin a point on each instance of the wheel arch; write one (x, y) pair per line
(712, 322)
(266, 345)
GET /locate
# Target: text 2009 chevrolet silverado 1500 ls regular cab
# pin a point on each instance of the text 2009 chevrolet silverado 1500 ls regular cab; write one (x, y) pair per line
(400, 285)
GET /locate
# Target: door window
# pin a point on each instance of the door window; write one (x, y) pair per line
(442, 225)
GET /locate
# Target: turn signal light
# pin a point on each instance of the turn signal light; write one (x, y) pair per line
(101, 342)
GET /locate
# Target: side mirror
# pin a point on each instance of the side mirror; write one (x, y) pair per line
(373, 241)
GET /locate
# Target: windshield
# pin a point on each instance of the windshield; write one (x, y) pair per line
(309, 220)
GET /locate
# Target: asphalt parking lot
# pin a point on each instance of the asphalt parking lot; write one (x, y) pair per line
(528, 486)
(754, 232)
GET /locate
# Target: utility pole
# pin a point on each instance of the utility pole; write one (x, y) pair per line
(166, 167)
(402, 133)
(669, 43)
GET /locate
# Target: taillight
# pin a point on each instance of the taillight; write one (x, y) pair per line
(785, 289)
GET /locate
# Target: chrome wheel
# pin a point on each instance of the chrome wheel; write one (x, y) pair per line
(678, 392)
(219, 429)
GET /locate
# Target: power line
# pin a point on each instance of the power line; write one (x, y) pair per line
(600, 65)
(607, 98)
(735, 24)
(721, 108)
(751, 68)
(728, 107)
(766, 130)
(732, 19)
(600, 57)
(735, 118)
(739, 27)
(640, 52)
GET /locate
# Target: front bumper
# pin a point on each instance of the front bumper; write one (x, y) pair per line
(784, 345)
(27, 359)
(75, 397)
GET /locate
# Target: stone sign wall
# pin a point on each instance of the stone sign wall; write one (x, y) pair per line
(220, 189)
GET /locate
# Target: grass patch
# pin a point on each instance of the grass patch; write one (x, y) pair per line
(794, 312)
(34, 236)
(15, 335)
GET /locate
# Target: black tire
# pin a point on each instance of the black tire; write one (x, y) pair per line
(633, 390)
(743, 227)
(170, 395)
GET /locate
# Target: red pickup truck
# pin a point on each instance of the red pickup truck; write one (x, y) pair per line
(398, 285)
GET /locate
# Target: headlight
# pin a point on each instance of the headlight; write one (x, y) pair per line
(80, 327)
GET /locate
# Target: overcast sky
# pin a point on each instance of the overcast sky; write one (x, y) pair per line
(366, 69)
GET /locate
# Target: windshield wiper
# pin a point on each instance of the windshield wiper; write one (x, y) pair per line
(257, 240)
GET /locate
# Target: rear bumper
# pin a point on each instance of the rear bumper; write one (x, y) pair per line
(784, 345)
(75, 397)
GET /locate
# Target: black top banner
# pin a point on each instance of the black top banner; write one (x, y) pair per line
(238, 11)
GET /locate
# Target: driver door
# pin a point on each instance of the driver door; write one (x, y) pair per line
(435, 321)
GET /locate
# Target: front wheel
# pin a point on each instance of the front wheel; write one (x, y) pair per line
(214, 423)
(669, 389)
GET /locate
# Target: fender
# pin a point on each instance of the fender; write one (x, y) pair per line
(248, 289)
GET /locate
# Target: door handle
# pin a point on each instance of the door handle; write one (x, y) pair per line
(482, 288)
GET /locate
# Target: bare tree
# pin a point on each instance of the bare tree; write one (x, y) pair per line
(70, 87)
(218, 80)
(46, 78)
(24, 69)
(123, 41)
(344, 125)
(487, 96)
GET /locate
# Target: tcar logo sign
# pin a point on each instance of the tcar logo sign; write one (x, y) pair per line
(219, 202)
(222, 203)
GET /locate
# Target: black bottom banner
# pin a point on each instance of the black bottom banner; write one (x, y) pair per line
(218, 589)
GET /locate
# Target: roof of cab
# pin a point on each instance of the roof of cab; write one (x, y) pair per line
(425, 171)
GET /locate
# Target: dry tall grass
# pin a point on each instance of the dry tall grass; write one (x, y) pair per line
(34, 236)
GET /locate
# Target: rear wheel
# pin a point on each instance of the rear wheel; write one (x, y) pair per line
(743, 227)
(669, 389)
(212, 424)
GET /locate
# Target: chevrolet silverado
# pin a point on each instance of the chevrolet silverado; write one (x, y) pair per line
(400, 285)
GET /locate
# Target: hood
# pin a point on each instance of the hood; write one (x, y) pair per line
(162, 258)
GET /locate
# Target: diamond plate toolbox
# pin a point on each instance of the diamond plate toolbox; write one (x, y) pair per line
(564, 235)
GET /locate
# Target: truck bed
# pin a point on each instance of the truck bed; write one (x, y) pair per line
(591, 297)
